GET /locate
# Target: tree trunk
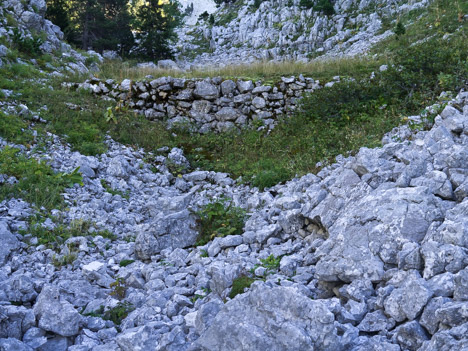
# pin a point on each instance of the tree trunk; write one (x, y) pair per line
(85, 38)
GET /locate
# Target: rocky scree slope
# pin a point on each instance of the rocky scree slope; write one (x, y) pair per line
(283, 30)
(370, 253)
(23, 28)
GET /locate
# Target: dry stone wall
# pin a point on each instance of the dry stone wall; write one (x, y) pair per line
(212, 104)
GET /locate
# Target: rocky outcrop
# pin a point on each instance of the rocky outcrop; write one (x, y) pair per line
(245, 32)
(212, 104)
(26, 20)
(299, 323)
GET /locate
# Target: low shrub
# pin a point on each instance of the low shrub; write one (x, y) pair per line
(61, 232)
(219, 219)
(240, 284)
(36, 182)
(14, 129)
(125, 263)
(28, 46)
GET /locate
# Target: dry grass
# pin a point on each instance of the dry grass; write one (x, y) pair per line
(267, 71)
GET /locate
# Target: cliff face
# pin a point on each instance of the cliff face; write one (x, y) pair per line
(199, 7)
(279, 30)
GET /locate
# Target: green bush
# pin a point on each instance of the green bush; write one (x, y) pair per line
(13, 129)
(308, 4)
(399, 29)
(421, 72)
(269, 174)
(28, 46)
(240, 284)
(256, 4)
(116, 314)
(319, 5)
(271, 263)
(125, 263)
(343, 101)
(220, 219)
(326, 6)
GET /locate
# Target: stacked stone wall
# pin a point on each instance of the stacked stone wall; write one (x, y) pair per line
(212, 104)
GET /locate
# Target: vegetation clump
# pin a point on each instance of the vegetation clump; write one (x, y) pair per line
(219, 219)
(29, 46)
(14, 129)
(240, 284)
(116, 314)
(324, 6)
(108, 188)
(60, 232)
(125, 263)
(35, 181)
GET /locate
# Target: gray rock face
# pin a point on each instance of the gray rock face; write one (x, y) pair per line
(9, 243)
(408, 301)
(368, 254)
(176, 230)
(367, 236)
(461, 286)
(55, 314)
(11, 344)
(168, 64)
(15, 321)
(206, 105)
(206, 90)
(228, 87)
(245, 86)
(3, 50)
(300, 323)
(448, 340)
(227, 114)
(376, 321)
(410, 336)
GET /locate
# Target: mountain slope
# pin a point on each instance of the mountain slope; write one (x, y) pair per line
(285, 30)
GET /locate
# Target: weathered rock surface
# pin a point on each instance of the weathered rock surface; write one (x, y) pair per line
(55, 314)
(298, 323)
(285, 30)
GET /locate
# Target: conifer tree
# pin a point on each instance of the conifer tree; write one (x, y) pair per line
(155, 24)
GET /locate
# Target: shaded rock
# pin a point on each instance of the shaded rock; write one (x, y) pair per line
(453, 313)
(11, 344)
(428, 318)
(375, 322)
(410, 336)
(9, 243)
(15, 321)
(228, 87)
(460, 291)
(176, 230)
(245, 86)
(448, 340)
(227, 114)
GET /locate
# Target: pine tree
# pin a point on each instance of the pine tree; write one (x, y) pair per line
(155, 24)
(112, 28)
(399, 29)
(101, 24)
